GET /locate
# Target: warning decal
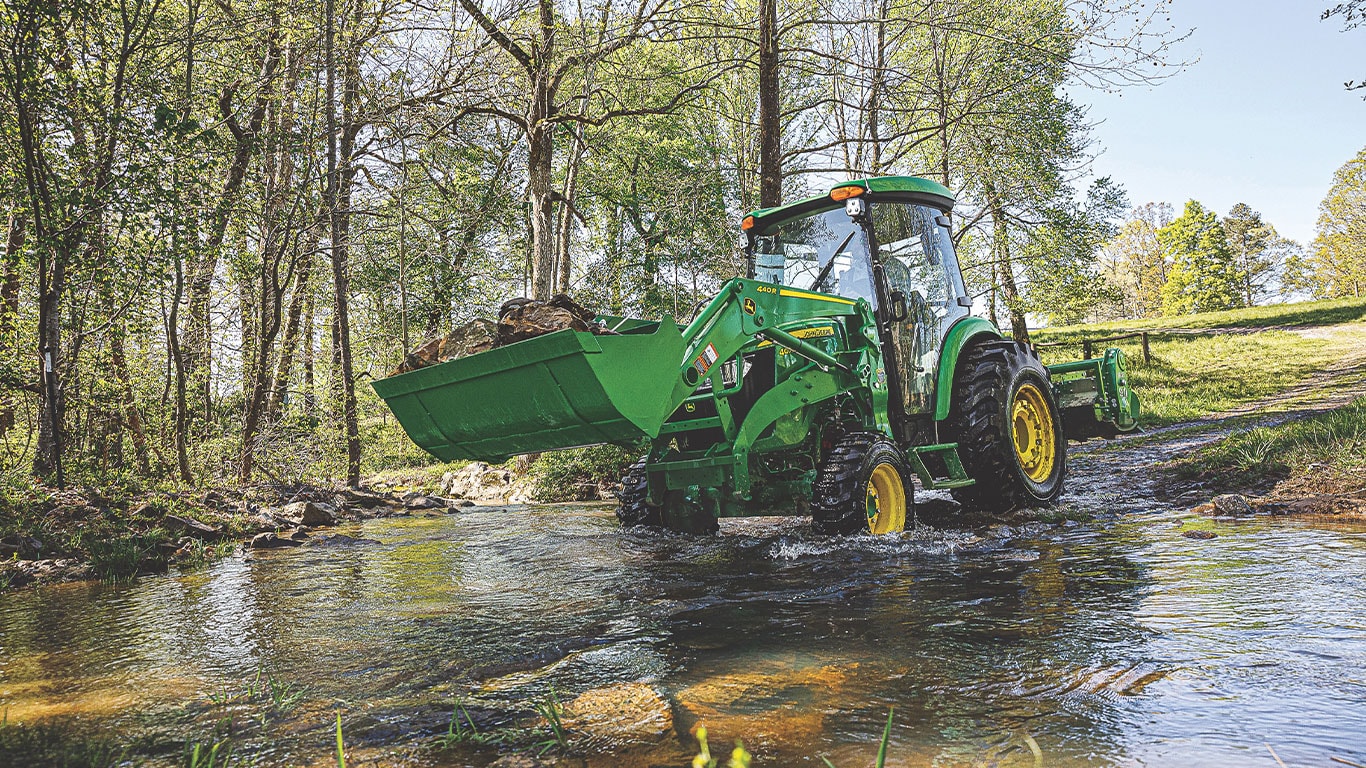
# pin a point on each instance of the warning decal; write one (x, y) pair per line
(705, 360)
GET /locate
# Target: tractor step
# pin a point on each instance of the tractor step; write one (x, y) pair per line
(948, 453)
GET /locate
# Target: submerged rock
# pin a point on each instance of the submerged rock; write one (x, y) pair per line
(1199, 534)
(272, 540)
(618, 715)
(422, 502)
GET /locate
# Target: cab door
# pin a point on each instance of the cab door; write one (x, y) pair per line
(917, 260)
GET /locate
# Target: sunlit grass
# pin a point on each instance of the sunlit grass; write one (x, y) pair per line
(1192, 376)
(1333, 445)
(1327, 312)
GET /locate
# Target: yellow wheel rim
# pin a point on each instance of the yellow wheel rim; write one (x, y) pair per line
(1033, 434)
(886, 500)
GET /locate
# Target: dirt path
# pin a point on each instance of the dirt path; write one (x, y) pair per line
(1119, 473)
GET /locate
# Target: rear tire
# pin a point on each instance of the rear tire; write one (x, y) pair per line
(1009, 432)
(863, 485)
(635, 508)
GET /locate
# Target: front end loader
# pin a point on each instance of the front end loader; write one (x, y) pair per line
(844, 365)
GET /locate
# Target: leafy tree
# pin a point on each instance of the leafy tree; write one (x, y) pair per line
(1337, 265)
(1260, 251)
(1061, 257)
(1204, 274)
(1134, 263)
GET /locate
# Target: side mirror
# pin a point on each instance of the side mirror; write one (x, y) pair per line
(897, 307)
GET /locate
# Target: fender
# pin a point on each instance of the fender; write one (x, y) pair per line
(963, 333)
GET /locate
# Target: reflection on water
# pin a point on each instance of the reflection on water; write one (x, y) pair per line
(1119, 643)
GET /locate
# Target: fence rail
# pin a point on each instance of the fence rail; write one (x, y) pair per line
(1086, 344)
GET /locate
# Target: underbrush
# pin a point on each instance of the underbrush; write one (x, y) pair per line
(575, 475)
(1330, 446)
(61, 744)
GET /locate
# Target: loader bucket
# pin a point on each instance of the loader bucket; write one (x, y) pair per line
(562, 390)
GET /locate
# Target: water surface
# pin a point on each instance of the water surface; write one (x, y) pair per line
(1118, 642)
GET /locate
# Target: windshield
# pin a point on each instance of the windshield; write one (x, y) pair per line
(796, 252)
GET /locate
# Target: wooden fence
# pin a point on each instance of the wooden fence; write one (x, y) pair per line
(1087, 344)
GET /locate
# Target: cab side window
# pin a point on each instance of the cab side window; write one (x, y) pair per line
(911, 252)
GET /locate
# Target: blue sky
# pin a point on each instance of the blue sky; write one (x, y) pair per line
(1260, 118)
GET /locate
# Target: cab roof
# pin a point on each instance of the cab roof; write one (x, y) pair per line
(931, 192)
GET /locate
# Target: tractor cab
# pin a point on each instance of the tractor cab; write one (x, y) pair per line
(883, 240)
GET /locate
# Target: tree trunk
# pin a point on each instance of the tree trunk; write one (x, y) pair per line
(132, 418)
(770, 109)
(47, 456)
(9, 308)
(1005, 270)
(540, 173)
(290, 341)
(566, 228)
(197, 336)
(339, 217)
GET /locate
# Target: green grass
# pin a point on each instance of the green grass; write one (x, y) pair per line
(61, 744)
(122, 557)
(1332, 446)
(1192, 376)
(1327, 312)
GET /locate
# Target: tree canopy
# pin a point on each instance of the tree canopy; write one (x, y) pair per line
(1204, 274)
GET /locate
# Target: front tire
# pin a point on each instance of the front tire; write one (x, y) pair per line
(635, 508)
(863, 485)
(1009, 431)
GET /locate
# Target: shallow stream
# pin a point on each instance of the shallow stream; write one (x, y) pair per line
(1113, 642)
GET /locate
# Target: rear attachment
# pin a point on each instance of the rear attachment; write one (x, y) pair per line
(1094, 396)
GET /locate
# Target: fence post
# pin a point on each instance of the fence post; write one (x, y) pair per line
(1147, 354)
(1086, 349)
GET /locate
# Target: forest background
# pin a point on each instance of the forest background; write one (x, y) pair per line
(223, 217)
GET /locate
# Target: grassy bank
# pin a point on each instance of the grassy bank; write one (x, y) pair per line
(1321, 454)
(1199, 374)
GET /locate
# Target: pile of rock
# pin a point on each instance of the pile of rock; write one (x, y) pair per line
(518, 320)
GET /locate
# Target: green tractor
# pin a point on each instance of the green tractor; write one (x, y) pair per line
(845, 364)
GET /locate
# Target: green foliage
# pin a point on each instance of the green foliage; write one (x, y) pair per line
(122, 557)
(1330, 445)
(341, 750)
(215, 755)
(61, 744)
(1061, 257)
(552, 712)
(1336, 265)
(1204, 275)
(1308, 313)
(274, 695)
(1133, 263)
(574, 475)
(739, 757)
(1258, 250)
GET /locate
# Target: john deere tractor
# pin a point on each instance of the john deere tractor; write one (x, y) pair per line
(845, 364)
